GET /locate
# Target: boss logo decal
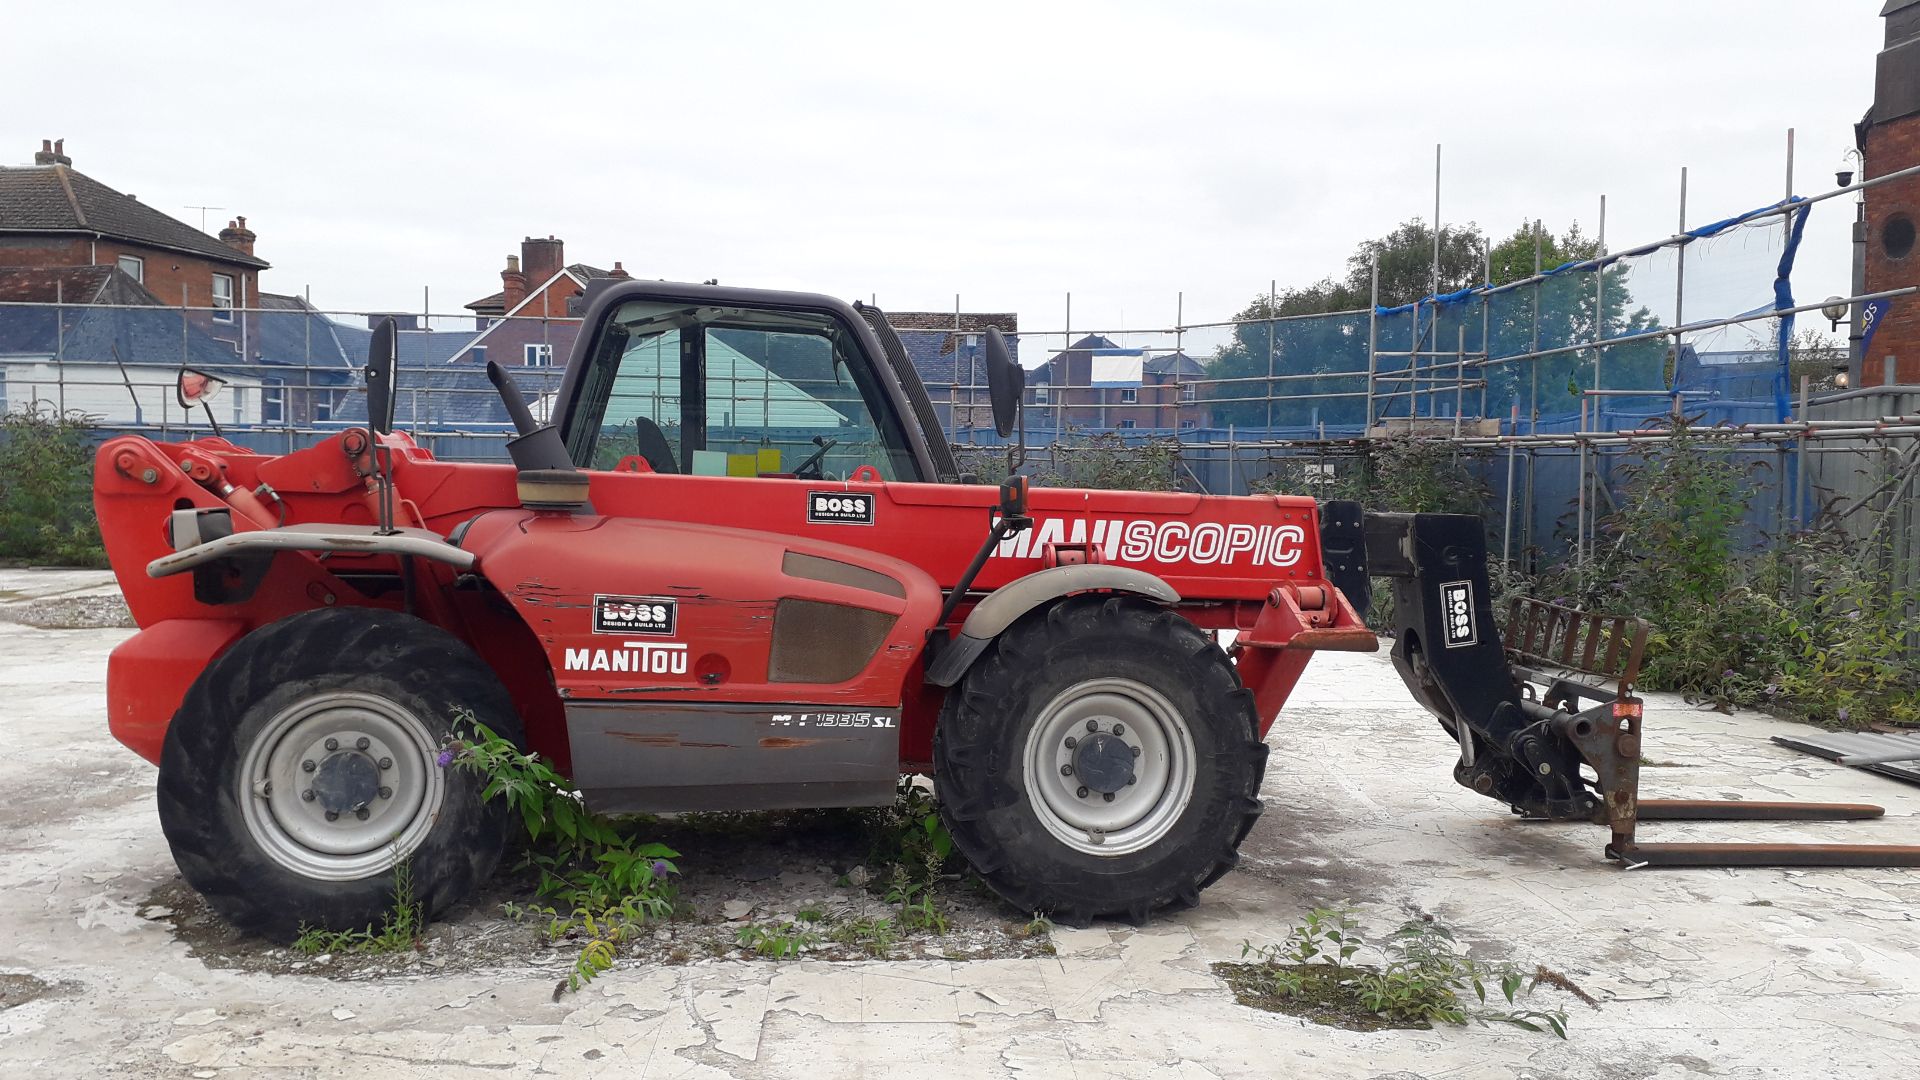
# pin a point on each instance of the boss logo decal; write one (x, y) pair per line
(840, 507)
(634, 615)
(1456, 613)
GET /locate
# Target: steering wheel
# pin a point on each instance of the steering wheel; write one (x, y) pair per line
(813, 463)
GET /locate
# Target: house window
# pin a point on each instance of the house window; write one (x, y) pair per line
(134, 267)
(223, 298)
(539, 355)
(322, 408)
(1188, 392)
(1129, 396)
(273, 403)
(1039, 395)
(1125, 424)
(1187, 425)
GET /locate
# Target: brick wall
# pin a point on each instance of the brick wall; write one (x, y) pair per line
(1892, 146)
(165, 271)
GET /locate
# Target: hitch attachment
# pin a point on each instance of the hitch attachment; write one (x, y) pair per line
(1536, 715)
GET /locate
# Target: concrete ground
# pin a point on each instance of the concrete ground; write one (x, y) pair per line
(1726, 973)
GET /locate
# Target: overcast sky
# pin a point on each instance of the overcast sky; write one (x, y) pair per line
(1009, 153)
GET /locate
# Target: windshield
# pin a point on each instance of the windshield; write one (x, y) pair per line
(732, 391)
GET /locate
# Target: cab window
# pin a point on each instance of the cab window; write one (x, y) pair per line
(713, 391)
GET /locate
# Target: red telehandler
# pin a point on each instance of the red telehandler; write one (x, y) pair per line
(739, 569)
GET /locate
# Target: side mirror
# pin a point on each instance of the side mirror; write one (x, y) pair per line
(1006, 383)
(383, 357)
(194, 388)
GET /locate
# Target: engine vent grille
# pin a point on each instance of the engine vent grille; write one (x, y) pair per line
(815, 642)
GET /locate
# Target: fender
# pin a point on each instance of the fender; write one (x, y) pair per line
(1006, 604)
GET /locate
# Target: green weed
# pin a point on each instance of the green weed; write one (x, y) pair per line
(601, 884)
(1423, 977)
(782, 941)
(400, 928)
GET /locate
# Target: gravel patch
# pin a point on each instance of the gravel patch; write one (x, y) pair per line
(71, 613)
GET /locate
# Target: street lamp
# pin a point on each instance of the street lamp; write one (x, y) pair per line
(1835, 309)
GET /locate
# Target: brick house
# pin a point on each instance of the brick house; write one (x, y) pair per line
(54, 216)
(533, 319)
(1889, 140)
(1098, 383)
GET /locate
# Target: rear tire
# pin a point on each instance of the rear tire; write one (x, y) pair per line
(339, 711)
(1024, 782)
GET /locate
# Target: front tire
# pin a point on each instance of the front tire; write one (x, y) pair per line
(301, 768)
(1100, 759)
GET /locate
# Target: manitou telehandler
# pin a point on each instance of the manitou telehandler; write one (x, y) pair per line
(739, 569)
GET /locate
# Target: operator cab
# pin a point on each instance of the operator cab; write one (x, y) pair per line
(711, 381)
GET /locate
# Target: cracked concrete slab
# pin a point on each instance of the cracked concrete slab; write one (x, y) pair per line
(1747, 973)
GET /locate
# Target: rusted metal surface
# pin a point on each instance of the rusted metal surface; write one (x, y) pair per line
(1663, 855)
(1741, 810)
(1609, 647)
(1608, 736)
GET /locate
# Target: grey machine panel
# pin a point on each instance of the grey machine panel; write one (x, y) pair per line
(659, 757)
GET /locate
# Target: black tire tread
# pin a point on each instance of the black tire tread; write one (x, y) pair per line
(328, 648)
(975, 748)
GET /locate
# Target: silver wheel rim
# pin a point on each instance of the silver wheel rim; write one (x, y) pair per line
(1140, 813)
(314, 758)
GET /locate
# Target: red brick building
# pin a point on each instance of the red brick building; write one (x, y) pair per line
(1889, 140)
(535, 316)
(53, 216)
(1096, 383)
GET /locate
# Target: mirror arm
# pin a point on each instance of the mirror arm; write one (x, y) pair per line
(1013, 519)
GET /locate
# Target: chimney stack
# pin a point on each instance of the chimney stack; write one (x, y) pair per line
(542, 258)
(619, 271)
(237, 236)
(52, 152)
(513, 284)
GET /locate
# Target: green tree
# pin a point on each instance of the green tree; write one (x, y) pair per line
(1326, 348)
(1333, 352)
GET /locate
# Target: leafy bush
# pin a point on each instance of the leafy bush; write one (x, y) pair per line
(46, 485)
(1814, 628)
(603, 884)
(1106, 460)
(1423, 977)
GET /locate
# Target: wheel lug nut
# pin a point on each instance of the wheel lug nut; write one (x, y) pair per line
(1081, 793)
(1093, 725)
(267, 789)
(1108, 796)
(1066, 770)
(1132, 779)
(1119, 730)
(386, 793)
(333, 815)
(362, 743)
(307, 765)
(387, 762)
(1135, 749)
(1072, 742)
(362, 812)
(307, 795)
(333, 744)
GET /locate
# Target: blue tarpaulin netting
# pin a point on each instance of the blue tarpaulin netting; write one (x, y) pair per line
(1589, 330)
